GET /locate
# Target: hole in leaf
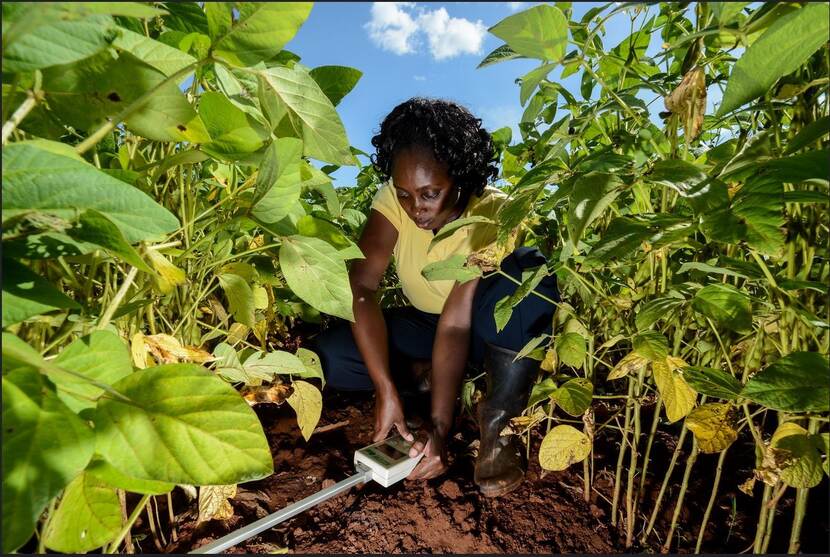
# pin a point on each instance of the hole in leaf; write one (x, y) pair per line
(114, 97)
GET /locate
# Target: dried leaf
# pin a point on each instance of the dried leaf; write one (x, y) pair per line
(167, 349)
(138, 349)
(631, 363)
(214, 502)
(521, 424)
(271, 394)
(688, 101)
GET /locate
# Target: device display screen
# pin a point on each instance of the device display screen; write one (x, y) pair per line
(391, 452)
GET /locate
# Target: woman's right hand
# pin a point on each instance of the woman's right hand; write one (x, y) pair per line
(389, 414)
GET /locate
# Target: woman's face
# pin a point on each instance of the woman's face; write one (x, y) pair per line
(424, 188)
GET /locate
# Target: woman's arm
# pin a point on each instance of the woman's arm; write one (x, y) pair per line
(449, 359)
(369, 328)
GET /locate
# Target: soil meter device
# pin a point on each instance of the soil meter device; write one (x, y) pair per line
(387, 463)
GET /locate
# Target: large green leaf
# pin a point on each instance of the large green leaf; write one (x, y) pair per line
(783, 48)
(571, 349)
(691, 182)
(651, 345)
(449, 229)
(798, 382)
(87, 92)
(37, 36)
(233, 133)
(655, 310)
(318, 228)
(574, 396)
(591, 195)
(101, 356)
(311, 113)
(25, 294)
(95, 228)
(316, 272)
(504, 307)
(104, 471)
(532, 79)
(452, 268)
(45, 445)
(192, 428)
(88, 516)
(37, 178)
(336, 81)
(240, 297)
(502, 53)
(712, 382)
(725, 305)
(164, 58)
(625, 235)
(260, 31)
(809, 134)
(279, 183)
(540, 32)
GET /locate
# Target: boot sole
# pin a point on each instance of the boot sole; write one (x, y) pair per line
(500, 490)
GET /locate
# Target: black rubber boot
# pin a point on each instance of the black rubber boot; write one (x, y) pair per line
(501, 464)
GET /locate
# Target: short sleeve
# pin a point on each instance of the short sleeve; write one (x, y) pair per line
(386, 203)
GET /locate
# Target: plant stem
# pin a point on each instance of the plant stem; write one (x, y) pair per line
(128, 526)
(621, 456)
(665, 483)
(712, 499)
(654, 422)
(800, 504)
(630, 499)
(679, 505)
(116, 301)
(19, 114)
(762, 520)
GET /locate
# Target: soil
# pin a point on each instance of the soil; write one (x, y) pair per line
(546, 514)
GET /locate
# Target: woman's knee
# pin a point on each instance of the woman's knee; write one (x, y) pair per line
(340, 359)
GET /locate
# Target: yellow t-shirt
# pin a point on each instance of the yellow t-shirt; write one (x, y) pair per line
(410, 250)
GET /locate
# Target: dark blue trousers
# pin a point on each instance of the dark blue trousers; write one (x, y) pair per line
(411, 332)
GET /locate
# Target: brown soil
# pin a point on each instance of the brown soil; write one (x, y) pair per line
(547, 514)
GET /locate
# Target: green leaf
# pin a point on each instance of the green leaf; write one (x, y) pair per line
(531, 80)
(52, 37)
(316, 272)
(45, 445)
(651, 345)
(233, 134)
(310, 111)
(279, 362)
(798, 382)
(336, 81)
(219, 18)
(449, 229)
(691, 182)
(571, 349)
(278, 183)
(504, 307)
(311, 361)
(94, 228)
(542, 390)
(26, 293)
(502, 53)
(164, 58)
(780, 50)
(103, 471)
(86, 93)
(654, 310)
(540, 32)
(809, 134)
(193, 429)
(452, 268)
(625, 235)
(101, 356)
(725, 305)
(574, 396)
(591, 195)
(712, 382)
(810, 165)
(260, 31)
(240, 297)
(803, 467)
(35, 178)
(324, 230)
(88, 516)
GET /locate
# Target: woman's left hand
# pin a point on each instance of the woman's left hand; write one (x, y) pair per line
(434, 461)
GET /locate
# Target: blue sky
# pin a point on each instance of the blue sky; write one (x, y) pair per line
(425, 49)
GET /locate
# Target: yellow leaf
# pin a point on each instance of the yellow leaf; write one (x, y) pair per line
(138, 349)
(168, 275)
(802, 467)
(678, 397)
(260, 298)
(713, 425)
(274, 394)
(237, 333)
(551, 360)
(213, 502)
(307, 402)
(562, 446)
(169, 350)
(631, 363)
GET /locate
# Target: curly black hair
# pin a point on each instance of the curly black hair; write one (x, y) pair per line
(449, 130)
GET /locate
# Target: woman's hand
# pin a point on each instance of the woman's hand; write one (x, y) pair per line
(389, 414)
(434, 461)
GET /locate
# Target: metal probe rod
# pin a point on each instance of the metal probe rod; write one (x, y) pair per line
(363, 475)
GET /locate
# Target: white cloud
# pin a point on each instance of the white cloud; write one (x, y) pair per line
(450, 36)
(516, 6)
(392, 28)
(419, 78)
(395, 27)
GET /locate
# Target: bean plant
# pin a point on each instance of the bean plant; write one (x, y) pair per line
(169, 217)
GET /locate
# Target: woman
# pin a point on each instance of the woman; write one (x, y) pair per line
(439, 160)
